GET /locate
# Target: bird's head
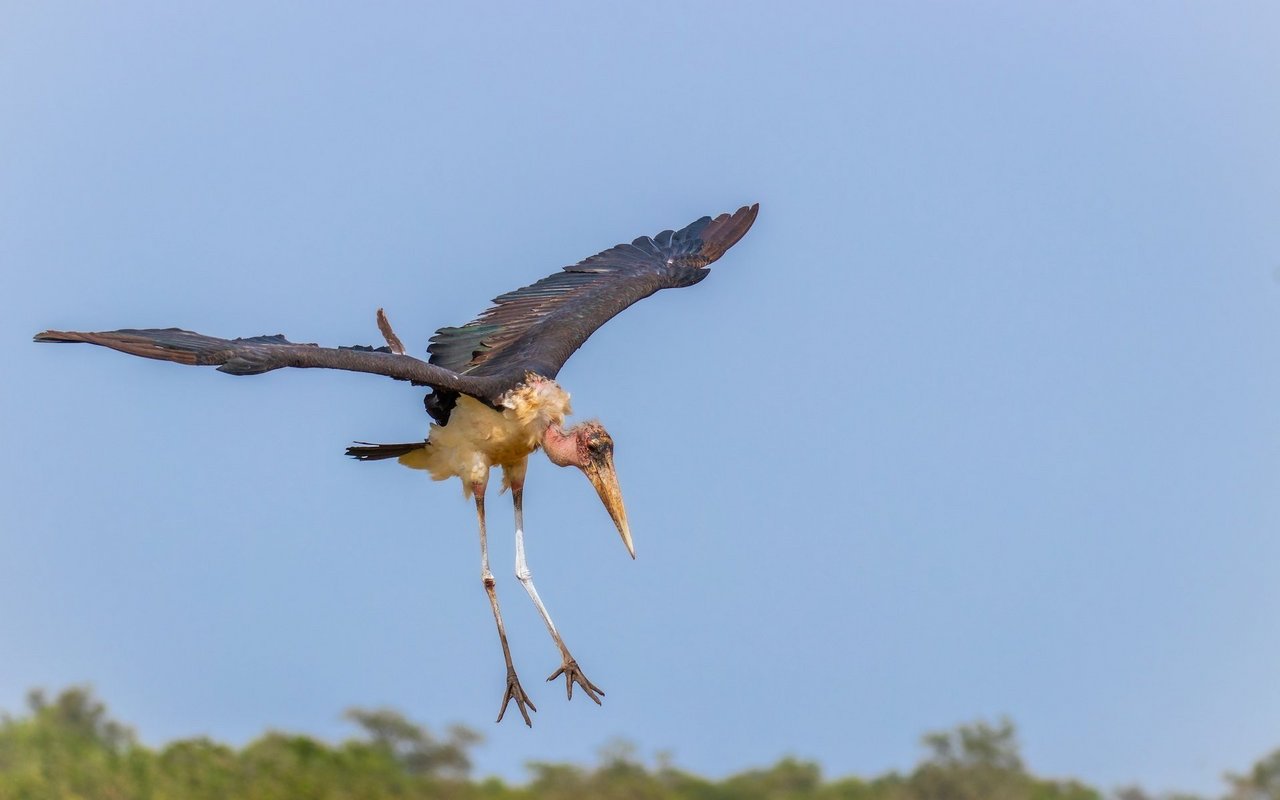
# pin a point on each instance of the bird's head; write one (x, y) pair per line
(590, 448)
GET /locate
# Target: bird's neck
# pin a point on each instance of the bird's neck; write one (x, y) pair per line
(561, 447)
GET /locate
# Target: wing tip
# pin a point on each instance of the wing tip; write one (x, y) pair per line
(744, 216)
(727, 229)
(58, 336)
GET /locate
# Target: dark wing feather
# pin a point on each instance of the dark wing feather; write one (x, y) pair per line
(537, 328)
(258, 354)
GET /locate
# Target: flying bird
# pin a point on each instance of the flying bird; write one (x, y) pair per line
(493, 395)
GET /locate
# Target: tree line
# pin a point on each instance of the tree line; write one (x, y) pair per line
(69, 748)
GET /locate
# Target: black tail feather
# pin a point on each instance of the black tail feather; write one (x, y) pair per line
(366, 451)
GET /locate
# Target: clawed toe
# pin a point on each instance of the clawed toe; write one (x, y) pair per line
(516, 692)
(572, 674)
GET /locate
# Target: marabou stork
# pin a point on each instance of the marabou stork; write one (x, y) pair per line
(494, 398)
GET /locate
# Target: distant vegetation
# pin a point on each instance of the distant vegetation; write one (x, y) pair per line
(68, 747)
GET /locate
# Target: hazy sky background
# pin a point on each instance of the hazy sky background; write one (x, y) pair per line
(981, 418)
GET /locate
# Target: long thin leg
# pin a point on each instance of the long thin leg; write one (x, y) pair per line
(568, 667)
(514, 690)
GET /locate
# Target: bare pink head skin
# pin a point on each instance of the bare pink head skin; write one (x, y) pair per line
(589, 447)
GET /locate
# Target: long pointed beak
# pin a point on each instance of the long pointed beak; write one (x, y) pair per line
(604, 477)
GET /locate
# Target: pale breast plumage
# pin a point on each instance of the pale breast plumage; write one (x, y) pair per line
(478, 437)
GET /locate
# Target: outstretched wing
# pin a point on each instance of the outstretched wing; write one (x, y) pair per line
(537, 328)
(259, 354)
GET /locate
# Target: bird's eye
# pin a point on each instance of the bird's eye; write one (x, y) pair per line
(600, 445)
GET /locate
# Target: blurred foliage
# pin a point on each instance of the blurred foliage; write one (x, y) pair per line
(69, 748)
(1260, 783)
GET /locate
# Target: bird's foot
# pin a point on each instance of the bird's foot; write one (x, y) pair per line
(572, 674)
(516, 692)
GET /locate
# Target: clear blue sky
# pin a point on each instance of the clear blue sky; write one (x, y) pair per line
(982, 418)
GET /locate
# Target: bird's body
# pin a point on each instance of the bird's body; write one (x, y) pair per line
(478, 437)
(494, 397)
